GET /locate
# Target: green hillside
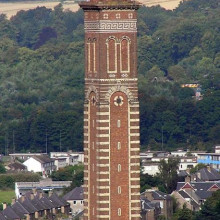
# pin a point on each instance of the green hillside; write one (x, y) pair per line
(42, 70)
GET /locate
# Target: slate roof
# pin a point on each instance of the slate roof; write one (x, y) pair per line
(19, 209)
(148, 205)
(26, 205)
(17, 166)
(183, 173)
(2, 217)
(47, 203)
(43, 158)
(198, 185)
(9, 213)
(192, 201)
(75, 194)
(208, 174)
(57, 201)
(158, 195)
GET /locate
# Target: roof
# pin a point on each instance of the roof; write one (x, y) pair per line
(148, 205)
(26, 205)
(2, 217)
(208, 174)
(183, 173)
(17, 166)
(43, 158)
(19, 209)
(205, 186)
(158, 195)
(75, 194)
(9, 213)
(57, 201)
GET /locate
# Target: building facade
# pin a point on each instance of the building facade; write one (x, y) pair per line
(111, 111)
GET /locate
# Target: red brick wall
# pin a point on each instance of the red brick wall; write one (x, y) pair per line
(119, 156)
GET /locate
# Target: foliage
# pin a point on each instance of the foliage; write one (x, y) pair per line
(2, 168)
(66, 173)
(7, 181)
(183, 214)
(69, 173)
(42, 71)
(168, 173)
(197, 168)
(211, 208)
(147, 181)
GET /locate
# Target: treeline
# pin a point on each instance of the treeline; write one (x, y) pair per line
(42, 71)
(7, 181)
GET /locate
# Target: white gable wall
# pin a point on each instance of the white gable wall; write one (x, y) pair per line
(33, 165)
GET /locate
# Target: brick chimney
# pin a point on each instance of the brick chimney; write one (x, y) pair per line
(187, 179)
(4, 205)
(32, 196)
(22, 198)
(40, 195)
(209, 168)
(13, 201)
(149, 195)
(36, 215)
(28, 217)
(50, 193)
(34, 190)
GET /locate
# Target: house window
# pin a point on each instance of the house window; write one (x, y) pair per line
(118, 123)
(74, 202)
(119, 212)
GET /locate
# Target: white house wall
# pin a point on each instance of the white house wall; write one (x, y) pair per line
(33, 165)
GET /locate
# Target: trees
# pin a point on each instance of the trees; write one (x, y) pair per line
(211, 208)
(183, 214)
(70, 173)
(168, 173)
(42, 71)
(2, 168)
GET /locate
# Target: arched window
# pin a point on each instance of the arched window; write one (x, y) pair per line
(119, 190)
(91, 55)
(125, 55)
(119, 145)
(119, 167)
(111, 55)
(119, 212)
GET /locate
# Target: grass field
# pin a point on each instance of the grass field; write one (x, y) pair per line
(6, 196)
(11, 9)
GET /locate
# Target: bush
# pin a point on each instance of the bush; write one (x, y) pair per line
(7, 181)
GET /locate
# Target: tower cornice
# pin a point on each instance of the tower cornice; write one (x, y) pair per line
(110, 5)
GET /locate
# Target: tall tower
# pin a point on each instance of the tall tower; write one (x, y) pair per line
(111, 111)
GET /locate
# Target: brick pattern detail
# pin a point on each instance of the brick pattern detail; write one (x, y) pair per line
(111, 126)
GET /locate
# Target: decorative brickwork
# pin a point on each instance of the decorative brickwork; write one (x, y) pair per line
(111, 111)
